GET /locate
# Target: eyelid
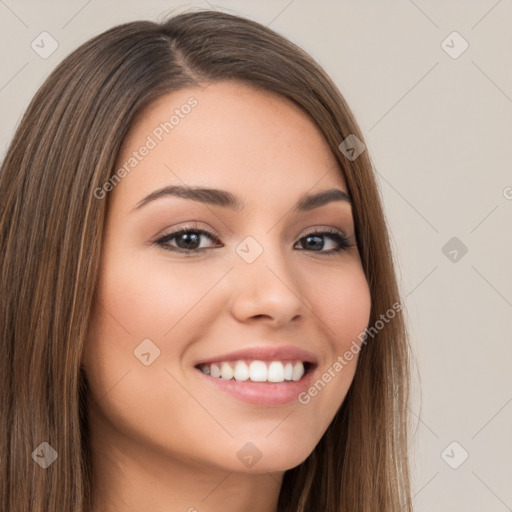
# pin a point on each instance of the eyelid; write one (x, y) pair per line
(214, 234)
(193, 226)
(330, 229)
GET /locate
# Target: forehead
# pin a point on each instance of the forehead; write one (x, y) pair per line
(227, 135)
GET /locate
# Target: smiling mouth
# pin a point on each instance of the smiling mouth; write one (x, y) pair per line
(257, 370)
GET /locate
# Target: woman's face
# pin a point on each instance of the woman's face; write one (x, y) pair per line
(258, 280)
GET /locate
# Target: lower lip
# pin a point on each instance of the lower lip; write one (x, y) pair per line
(263, 394)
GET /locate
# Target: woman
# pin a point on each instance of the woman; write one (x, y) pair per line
(199, 306)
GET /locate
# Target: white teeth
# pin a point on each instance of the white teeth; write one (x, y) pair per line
(241, 371)
(298, 371)
(226, 372)
(288, 371)
(256, 371)
(214, 370)
(275, 372)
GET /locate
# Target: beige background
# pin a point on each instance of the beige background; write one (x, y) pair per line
(439, 130)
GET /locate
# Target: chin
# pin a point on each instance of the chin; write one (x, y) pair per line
(266, 456)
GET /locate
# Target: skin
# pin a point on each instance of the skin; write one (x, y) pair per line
(162, 439)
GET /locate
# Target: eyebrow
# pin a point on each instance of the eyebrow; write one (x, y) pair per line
(225, 199)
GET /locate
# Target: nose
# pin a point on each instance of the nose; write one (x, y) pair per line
(266, 289)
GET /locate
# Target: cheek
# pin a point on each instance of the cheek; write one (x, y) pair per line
(139, 299)
(149, 298)
(342, 303)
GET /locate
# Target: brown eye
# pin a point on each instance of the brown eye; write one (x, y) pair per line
(187, 240)
(315, 242)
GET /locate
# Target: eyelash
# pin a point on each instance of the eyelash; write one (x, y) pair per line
(337, 236)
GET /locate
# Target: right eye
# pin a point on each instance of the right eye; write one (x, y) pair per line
(188, 240)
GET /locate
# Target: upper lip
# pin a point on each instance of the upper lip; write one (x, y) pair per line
(264, 353)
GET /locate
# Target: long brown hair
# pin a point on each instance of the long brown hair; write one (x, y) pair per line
(51, 228)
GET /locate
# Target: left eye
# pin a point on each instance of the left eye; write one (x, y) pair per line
(188, 241)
